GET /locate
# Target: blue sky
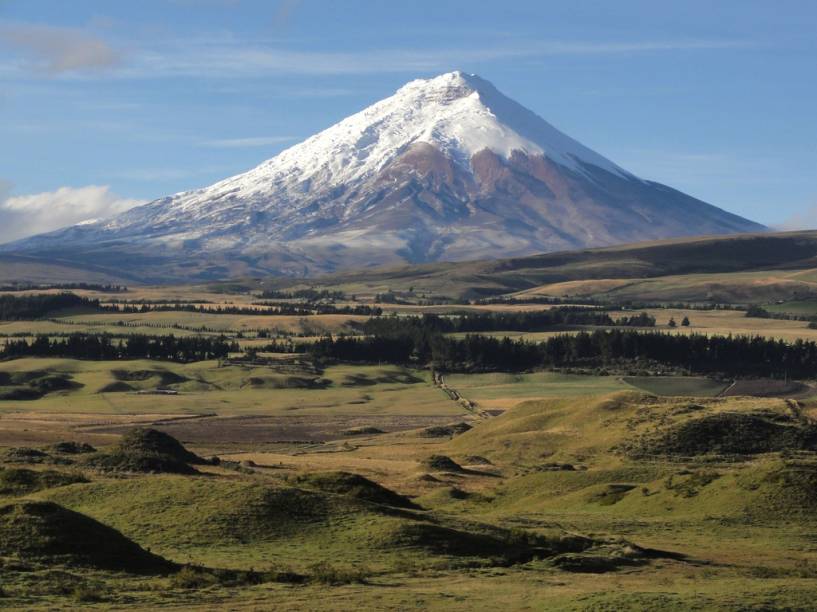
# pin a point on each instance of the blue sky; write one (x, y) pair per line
(107, 103)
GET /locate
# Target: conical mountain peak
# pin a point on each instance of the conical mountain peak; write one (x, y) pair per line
(446, 168)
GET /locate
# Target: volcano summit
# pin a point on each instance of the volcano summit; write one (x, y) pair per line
(446, 169)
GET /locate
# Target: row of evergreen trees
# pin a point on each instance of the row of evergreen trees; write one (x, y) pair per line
(733, 356)
(500, 321)
(106, 347)
(266, 308)
(39, 306)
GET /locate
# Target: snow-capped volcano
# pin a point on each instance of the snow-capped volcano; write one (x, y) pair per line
(447, 168)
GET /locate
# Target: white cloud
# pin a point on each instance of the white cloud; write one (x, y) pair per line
(26, 215)
(57, 50)
(237, 143)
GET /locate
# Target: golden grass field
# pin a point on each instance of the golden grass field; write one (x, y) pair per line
(681, 493)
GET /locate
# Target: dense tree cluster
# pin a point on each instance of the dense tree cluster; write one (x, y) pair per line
(309, 295)
(537, 320)
(40, 306)
(266, 309)
(538, 299)
(67, 286)
(27, 307)
(755, 356)
(642, 319)
(104, 346)
(758, 312)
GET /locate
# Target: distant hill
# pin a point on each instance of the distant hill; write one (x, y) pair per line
(776, 255)
(738, 269)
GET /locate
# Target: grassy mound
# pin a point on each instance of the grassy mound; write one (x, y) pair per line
(728, 433)
(477, 460)
(491, 544)
(445, 496)
(165, 377)
(49, 533)
(20, 394)
(21, 481)
(401, 377)
(73, 448)
(786, 489)
(153, 441)
(454, 542)
(558, 429)
(24, 454)
(34, 384)
(445, 431)
(442, 463)
(609, 556)
(582, 431)
(362, 431)
(356, 486)
(611, 494)
(147, 450)
(285, 382)
(117, 387)
(171, 510)
(145, 463)
(237, 523)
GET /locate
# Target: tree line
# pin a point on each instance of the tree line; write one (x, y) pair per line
(40, 306)
(499, 321)
(106, 347)
(26, 307)
(267, 309)
(69, 286)
(310, 295)
(696, 353)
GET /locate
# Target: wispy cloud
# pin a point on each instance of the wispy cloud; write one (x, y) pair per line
(238, 143)
(56, 50)
(26, 215)
(71, 51)
(237, 59)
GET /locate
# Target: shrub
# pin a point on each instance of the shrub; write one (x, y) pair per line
(88, 593)
(324, 573)
(190, 577)
(758, 312)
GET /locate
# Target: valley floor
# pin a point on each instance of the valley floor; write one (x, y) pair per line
(274, 480)
(546, 455)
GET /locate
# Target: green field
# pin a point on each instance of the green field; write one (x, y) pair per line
(690, 386)
(799, 308)
(207, 387)
(296, 481)
(506, 390)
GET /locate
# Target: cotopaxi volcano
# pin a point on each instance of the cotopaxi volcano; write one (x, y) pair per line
(447, 168)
